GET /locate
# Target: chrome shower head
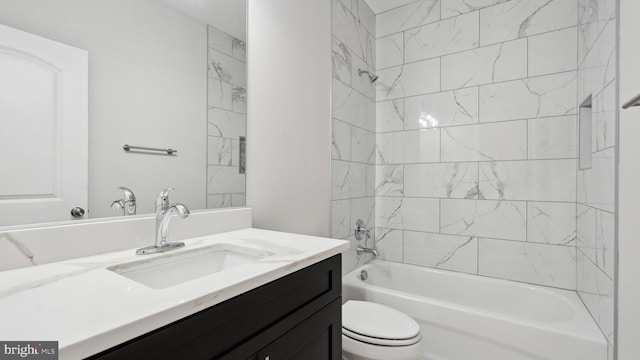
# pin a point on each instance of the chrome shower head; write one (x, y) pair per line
(372, 77)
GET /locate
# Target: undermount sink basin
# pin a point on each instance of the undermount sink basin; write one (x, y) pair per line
(176, 268)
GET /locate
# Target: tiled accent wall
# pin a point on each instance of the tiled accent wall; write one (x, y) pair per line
(596, 186)
(227, 118)
(476, 145)
(353, 124)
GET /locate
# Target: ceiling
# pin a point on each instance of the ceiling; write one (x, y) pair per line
(229, 16)
(379, 6)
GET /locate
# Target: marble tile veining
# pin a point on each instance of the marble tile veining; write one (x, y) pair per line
(219, 40)
(416, 78)
(551, 223)
(225, 179)
(364, 14)
(520, 18)
(239, 50)
(348, 105)
(553, 137)
(219, 151)
(458, 7)
(550, 95)
(348, 180)
(406, 213)
(596, 290)
(239, 199)
(599, 66)
(489, 64)
(219, 201)
(482, 142)
(484, 218)
(226, 116)
(389, 243)
(605, 244)
(458, 107)
(341, 62)
(544, 264)
(389, 180)
(226, 124)
(363, 208)
(593, 16)
(535, 180)
(390, 51)
(415, 146)
(442, 37)
(446, 180)
(586, 230)
(448, 252)
(389, 115)
(340, 141)
(407, 17)
(239, 99)
(371, 115)
(226, 68)
(596, 186)
(553, 52)
(362, 146)
(340, 218)
(220, 94)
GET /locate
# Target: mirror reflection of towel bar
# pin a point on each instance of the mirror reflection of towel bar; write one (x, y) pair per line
(128, 147)
(633, 102)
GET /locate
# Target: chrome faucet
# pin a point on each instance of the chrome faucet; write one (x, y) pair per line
(128, 204)
(361, 250)
(164, 211)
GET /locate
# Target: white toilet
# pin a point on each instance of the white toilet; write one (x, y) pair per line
(372, 331)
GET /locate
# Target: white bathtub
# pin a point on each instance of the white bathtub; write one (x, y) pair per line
(466, 317)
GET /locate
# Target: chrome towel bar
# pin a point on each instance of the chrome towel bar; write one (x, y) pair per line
(128, 147)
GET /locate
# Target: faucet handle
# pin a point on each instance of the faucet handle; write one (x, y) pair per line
(128, 194)
(166, 191)
(361, 230)
(163, 198)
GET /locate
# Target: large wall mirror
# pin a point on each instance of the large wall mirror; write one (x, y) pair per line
(80, 79)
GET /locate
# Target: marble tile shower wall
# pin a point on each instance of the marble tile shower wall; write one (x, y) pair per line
(476, 148)
(596, 186)
(353, 124)
(226, 117)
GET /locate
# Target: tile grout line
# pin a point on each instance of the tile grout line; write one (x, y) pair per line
(472, 48)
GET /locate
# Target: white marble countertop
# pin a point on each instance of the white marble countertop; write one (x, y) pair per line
(88, 308)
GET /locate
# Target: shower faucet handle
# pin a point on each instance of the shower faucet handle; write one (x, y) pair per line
(361, 230)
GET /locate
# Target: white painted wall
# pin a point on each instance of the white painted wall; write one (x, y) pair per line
(629, 187)
(289, 115)
(147, 86)
(229, 16)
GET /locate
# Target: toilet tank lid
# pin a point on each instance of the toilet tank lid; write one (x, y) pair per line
(378, 321)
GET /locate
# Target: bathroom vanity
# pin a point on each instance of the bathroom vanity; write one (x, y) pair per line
(245, 294)
(295, 317)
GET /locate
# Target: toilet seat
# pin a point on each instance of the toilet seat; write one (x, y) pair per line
(378, 324)
(381, 342)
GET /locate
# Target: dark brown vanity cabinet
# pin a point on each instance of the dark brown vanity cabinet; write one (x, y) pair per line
(295, 317)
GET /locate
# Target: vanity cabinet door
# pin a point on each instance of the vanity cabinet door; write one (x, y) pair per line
(317, 338)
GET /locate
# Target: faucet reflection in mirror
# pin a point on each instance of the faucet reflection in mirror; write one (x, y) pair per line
(126, 204)
(164, 211)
